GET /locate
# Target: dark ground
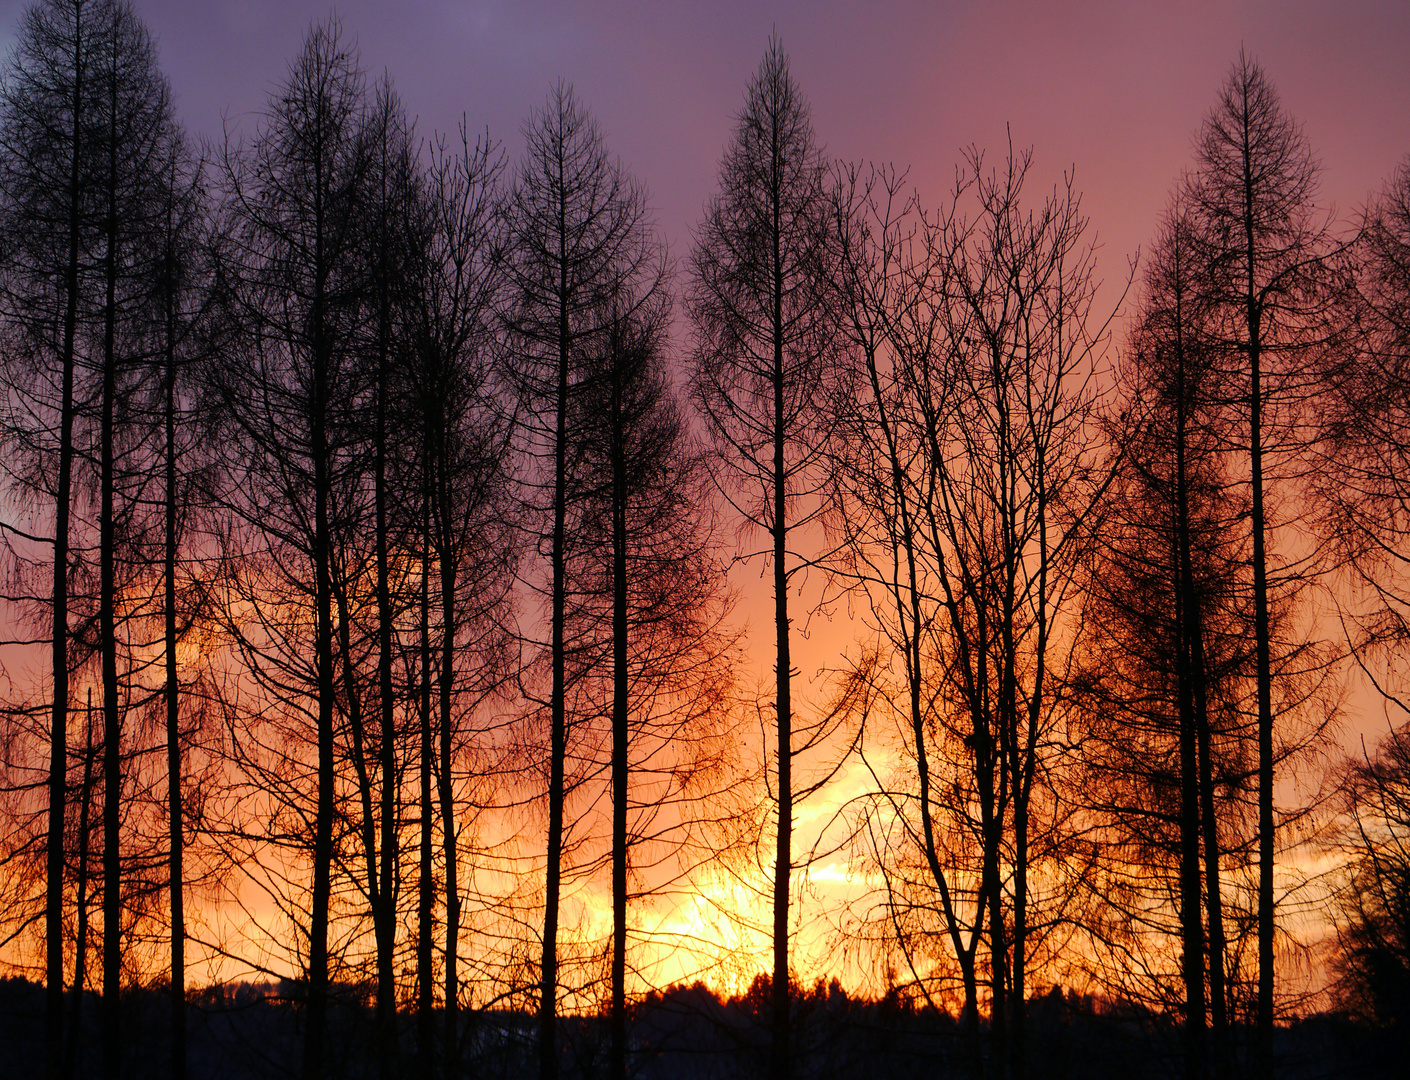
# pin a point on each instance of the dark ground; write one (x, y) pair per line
(246, 1032)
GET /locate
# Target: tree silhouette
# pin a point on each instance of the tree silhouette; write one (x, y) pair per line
(1168, 665)
(967, 486)
(762, 304)
(577, 236)
(294, 284)
(1266, 287)
(464, 441)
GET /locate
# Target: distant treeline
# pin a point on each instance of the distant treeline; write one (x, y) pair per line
(249, 1031)
(366, 543)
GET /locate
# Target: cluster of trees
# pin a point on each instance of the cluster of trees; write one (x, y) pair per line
(353, 476)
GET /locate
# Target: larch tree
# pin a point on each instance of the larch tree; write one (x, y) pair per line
(1268, 294)
(135, 118)
(293, 277)
(577, 234)
(1364, 488)
(89, 131)
(49, 98)
(1366, 435)
(762, 305)
(1167, 662)
(463, 448)
(390, 185)
(652, 560)
(180, 296)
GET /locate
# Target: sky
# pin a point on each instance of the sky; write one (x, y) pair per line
(1112, 91)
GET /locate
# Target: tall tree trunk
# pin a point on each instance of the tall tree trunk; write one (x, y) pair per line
(384, 911)
(1026, 772)
(1191, 923)
(1192, 927)
(323, 645)
(558, 739)
(58, 723)
(426, 886)
(1214, 905)
(1253, 314)
(173, 728)
(74, 1044)
(783, 859)
(991, 826)
(451, 1051)
(107, 631)
(617, 1069)
(1010, 777)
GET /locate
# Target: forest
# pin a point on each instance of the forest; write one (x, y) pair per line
(379, 509)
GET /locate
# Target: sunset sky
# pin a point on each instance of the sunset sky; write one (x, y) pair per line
(1113, 89)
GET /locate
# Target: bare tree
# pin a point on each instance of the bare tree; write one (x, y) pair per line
(135, 115)
(763, 308)
(1168, 667)
(1363, 488)
(966, 485)
(1265, 252)
(49, 101)
(1366, 433)
(391, 184)
(464, 438)
(88, 134)
(294, 279)
(652, 557)
(180, 294)
(578, 235)
(1374, 931)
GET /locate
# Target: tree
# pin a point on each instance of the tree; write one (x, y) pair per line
(1168, 667)
(180, 292)
(1363, 488)
(391, 185)
(87, 137)
(294, 284)
(1366, 435)
(966, 490)
(135, 119)
(1374, 932)
(577, 236)
(763, 308)
(651, 556)
(49, 99)
(1266, 286)
(464, 440)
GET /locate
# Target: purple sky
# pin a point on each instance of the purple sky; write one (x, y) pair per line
(1116, 90)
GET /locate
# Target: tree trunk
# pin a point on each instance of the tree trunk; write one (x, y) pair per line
(173, 729)
(783, 861)
(426, 894)
(323, 631)
(1253, 314)
(558, 744)
(58, 724)
(107, 633)
(451, 1050)
(74, 1045)
(384, 907)
(617, 1069)
(1187, 655)
(1214, 905)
